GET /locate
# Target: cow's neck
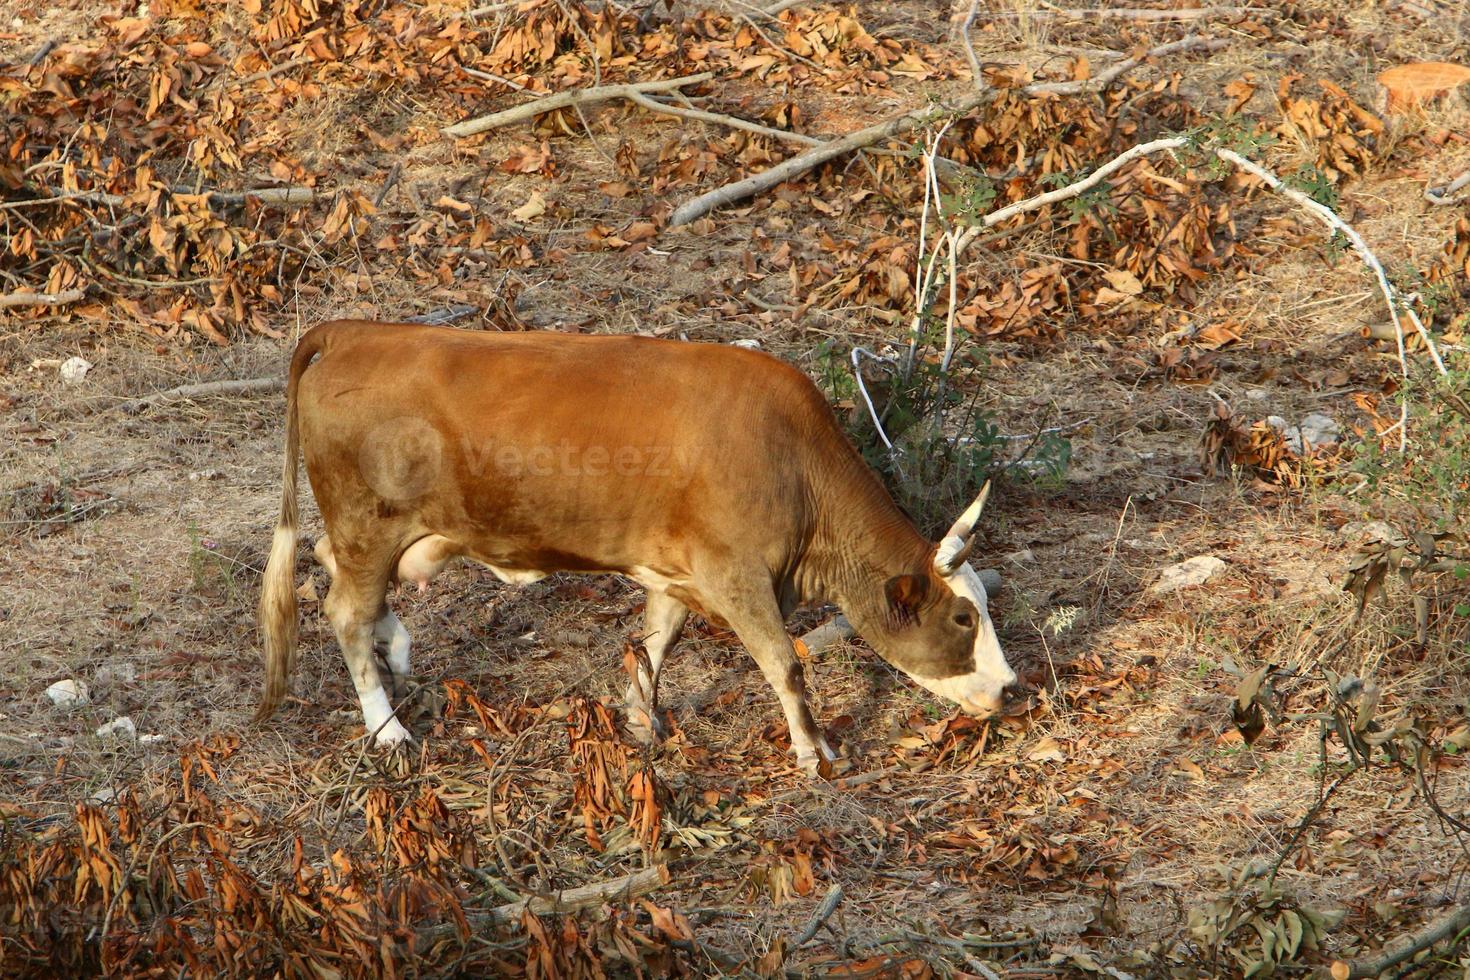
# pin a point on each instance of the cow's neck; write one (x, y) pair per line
(862, 541)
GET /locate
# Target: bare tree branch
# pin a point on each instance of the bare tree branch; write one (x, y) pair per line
(1441, 194)
(617, 889)
(581, 96)
(720, 119)
(1139, 13)
(1450, 924)
(243, 386)
(41, 299)
(898, 125)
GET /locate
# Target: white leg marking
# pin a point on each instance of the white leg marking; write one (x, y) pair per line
(377, 715)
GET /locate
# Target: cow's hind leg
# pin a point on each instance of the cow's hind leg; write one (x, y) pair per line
(355, 604)
(663, 619)
(392, 642)
(756, 618)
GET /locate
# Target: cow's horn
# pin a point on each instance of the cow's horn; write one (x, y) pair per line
(959, 540)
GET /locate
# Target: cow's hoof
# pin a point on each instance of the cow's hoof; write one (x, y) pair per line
(391, 735)
(815, 766)
(645, 727)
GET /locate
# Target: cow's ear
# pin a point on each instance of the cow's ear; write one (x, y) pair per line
(905, 594)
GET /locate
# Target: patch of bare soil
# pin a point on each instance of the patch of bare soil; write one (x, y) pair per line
(1113, 825)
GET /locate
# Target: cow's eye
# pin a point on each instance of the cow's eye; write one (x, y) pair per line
(964, 620)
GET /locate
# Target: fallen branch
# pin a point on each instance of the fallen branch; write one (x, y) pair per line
(822, 914)
(235, 387)
(977, 75)
(270, 72)
(443, 315)
(583, 897)
(575, 97)
(720, 119)
(1441, 195)
(41, 299)
(1139, 13)
(1450, 924)
(913, 119)
(286, 196)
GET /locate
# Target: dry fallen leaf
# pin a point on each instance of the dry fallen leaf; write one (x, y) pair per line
(534, 207)
(1408, 85)
(1123, 281)
(1047, 750)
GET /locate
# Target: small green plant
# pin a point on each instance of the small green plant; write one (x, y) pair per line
(1435, 475)
(970, 200)
(1312, 182)
(1233, 132)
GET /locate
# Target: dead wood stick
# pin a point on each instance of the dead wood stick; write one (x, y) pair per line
(443, 315)
(561, 100)
(492, 77)
(1449, 924)
(741, 189)
(492, 8)
(270, 72)
(1139, 13)
(720, 119)
(977, 75)
(285, 196)
(822, 914)
(1441, 194)
(41, 299)
(233, 387)
(41, 54)
(582, 897)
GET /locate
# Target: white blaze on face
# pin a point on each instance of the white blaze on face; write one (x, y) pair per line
(980, 691)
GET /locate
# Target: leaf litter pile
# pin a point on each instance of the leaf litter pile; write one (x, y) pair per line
(1257, 774)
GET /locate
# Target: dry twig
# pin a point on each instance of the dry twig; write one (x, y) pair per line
(242, 386)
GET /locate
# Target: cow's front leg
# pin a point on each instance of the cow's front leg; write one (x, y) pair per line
(763, 632)
(392, 638)
(663, 619)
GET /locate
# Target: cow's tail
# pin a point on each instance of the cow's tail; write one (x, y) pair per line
(277, 614)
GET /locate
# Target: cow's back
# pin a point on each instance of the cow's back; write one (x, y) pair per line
(563, 451)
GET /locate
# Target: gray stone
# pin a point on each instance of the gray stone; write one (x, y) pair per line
(121, 729)
(1186, 574)
(68, 693)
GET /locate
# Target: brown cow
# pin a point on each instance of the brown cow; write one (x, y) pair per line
(716, 477)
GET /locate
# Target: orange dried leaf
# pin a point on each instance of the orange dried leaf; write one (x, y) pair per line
(1408, 85)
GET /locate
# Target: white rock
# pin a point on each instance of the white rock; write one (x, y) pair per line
(1371, 530)
(68, 693)
(104, 795)
(119, 728)
(1194, 571)
(1023, 557)
(1320, 430)
(748, 344)
(151, 739)
(74, 369)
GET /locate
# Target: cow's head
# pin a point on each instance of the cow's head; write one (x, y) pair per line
(936, 627)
